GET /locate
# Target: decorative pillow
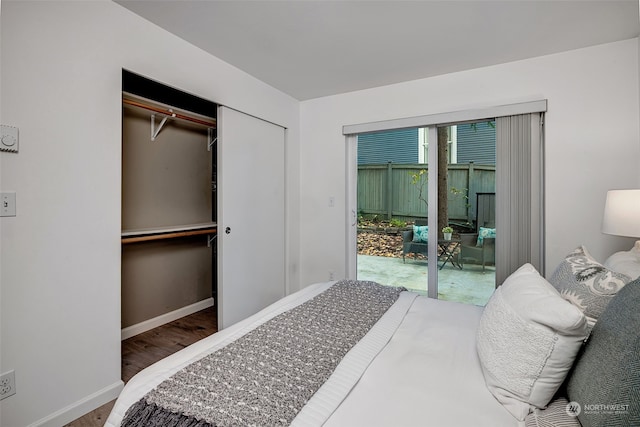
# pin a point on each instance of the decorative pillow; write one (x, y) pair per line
(627, 263)
(527, 340)
(586, 283)
(556, 415)
(485, 232)
(605, 381)
(420, 233)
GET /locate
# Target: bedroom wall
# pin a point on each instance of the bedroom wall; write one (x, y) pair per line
(60, 270)
(591, 143)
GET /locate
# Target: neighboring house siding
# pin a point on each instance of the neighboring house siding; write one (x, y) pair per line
(477, 144)
(398, 146)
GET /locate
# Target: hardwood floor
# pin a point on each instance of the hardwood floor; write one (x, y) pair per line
(147, 348)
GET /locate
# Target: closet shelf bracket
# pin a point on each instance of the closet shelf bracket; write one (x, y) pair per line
(210, 140)
(155, 131)
(210, 239)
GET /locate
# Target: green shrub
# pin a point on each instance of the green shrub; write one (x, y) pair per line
(397, 223)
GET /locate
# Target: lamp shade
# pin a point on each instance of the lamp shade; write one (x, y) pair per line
(622, 213)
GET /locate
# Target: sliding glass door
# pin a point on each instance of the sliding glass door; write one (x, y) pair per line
(464, 177)
(396, 178)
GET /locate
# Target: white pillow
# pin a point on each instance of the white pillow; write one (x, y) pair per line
(627, 263)
(527, 340)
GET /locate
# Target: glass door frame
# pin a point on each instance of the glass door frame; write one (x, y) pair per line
(432, 212)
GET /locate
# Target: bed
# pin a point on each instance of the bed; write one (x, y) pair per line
(424, 362)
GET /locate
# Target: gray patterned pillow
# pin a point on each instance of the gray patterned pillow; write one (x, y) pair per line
(586, 283)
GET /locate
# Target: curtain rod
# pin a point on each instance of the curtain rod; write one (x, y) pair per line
(169, 113)
(448, 118)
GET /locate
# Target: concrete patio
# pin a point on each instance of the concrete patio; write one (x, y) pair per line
(469, 285)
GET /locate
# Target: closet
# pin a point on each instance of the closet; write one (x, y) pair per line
(203, 208)
(169, 204)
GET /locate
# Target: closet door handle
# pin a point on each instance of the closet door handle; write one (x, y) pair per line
(227, 230)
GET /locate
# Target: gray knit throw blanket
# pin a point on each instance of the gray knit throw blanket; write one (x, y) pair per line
(265, 377)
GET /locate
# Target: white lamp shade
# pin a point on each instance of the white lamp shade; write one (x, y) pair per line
(622, 213)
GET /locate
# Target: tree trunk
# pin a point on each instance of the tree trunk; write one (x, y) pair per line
(443, 169)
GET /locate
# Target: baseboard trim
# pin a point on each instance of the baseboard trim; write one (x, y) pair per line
(81, 407)
(147, 325)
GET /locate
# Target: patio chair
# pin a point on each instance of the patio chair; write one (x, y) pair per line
(409, 246)
(471, 253)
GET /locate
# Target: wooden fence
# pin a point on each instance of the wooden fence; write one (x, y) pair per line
(388, 190)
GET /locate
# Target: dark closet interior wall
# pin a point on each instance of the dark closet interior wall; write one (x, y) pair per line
(167, 181)
(160, 277)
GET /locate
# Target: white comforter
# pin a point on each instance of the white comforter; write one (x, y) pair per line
(417, 367)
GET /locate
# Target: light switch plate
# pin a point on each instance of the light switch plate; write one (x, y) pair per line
(8, 138)
(8, 204)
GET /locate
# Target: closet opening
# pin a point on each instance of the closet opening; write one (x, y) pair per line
(169, 205)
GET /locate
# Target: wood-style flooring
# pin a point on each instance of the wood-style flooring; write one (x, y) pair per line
(144, 349)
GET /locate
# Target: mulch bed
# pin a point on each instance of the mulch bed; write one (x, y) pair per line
(377, 244)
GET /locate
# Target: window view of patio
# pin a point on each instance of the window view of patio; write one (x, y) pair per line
(393, 210)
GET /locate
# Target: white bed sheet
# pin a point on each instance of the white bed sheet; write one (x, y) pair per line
(423, 371)
(428, 374)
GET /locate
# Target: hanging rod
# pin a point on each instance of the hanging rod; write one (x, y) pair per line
(170, 113)
(173, 235)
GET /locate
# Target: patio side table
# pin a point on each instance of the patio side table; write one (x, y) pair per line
(448, 250)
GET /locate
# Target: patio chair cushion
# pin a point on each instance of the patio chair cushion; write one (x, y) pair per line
(527, 340)
(420, 233)
(485, 232)
(586, 283)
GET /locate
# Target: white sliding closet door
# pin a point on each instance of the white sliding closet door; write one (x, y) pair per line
(250, 215)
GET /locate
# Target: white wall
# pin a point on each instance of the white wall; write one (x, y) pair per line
(60, 271)
(591, 143)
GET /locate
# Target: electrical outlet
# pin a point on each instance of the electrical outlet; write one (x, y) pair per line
(331, 275)
(7, 384)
